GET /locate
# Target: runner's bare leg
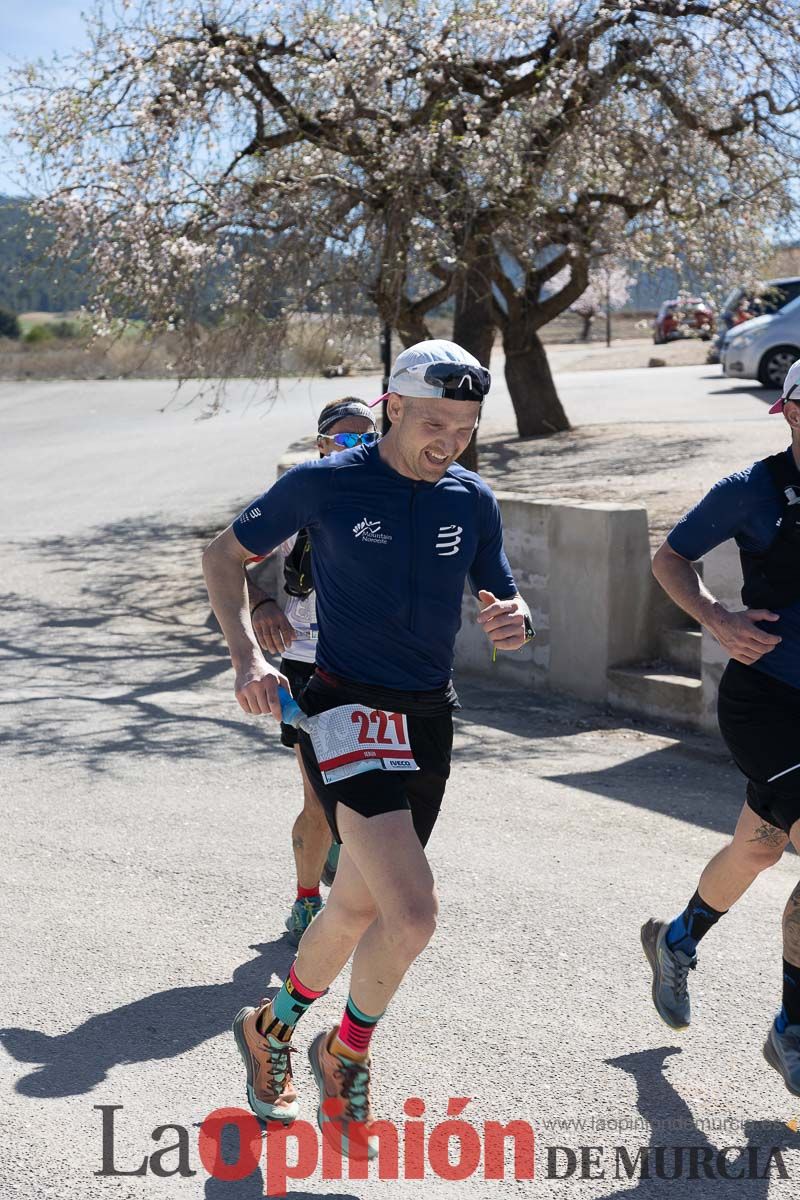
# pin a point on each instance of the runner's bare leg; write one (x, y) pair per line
(383, 873)
(755, 846)
(334, 933)
(311, 835)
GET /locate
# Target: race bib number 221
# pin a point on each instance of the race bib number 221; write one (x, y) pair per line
(355, 738)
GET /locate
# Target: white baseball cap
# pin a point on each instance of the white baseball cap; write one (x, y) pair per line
(438, 368)
(791, 388)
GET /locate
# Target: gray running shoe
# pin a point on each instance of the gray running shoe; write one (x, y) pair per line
(670, 971)
(782, 1051)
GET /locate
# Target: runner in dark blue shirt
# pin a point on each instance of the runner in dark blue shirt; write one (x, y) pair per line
(396, 530)
(759, 715)
(392, 549)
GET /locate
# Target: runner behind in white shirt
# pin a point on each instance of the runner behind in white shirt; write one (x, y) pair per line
(292, 632)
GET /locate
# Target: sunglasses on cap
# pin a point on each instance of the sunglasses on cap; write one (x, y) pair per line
(458, 381)
(349, 440)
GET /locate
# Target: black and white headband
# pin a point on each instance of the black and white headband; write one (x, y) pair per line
(348, 408)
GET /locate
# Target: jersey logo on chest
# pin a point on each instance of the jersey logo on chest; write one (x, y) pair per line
(448, 540)
(370, 531)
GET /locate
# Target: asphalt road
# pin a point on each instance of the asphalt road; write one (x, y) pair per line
(147, 868)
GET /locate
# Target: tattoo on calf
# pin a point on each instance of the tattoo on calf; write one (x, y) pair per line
(769, 835)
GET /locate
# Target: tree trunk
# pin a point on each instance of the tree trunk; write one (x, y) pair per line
(586, 332)
(530, 383)
(411, 328)
(474, 324)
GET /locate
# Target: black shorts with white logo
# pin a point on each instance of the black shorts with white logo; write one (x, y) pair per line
(759, 718)
(430, 733)
(298, 673)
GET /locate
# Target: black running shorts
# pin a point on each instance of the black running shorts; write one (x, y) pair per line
(298, 673)
(759, 717)
(430, 732)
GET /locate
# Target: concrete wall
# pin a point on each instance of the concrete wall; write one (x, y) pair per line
(584, 569)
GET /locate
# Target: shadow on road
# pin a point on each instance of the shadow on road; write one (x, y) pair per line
(580, 463)
(163, 1025)
(691, 778)
(252, 1188)
(670, 781)
(765, 395)
(126, 668)
(674, 1129)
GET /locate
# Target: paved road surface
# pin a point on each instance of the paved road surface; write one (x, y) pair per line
(146, 863)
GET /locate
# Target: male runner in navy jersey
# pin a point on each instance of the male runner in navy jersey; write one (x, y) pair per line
(397, 528)
(759, 714)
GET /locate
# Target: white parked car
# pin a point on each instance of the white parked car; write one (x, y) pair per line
(763, 348)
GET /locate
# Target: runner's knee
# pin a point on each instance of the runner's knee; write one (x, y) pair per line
(410, 931)
(759, 855)
(351, 918)
(312, 810)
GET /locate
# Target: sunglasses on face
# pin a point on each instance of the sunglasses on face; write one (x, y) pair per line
(349, 440)
(458, 381)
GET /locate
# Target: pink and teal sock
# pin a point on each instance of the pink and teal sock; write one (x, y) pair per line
(355, 1032)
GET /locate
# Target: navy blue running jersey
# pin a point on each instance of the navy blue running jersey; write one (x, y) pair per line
(389, 562)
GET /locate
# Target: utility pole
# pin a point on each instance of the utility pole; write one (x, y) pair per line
(608, 307)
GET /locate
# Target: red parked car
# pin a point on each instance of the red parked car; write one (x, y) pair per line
(689, 316)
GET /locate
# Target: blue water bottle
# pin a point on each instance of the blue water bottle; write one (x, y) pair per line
(291, 712)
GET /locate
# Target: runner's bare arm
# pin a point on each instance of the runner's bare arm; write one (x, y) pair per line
(256, 682)
(503, 621)
(273, 631)
(735, 631)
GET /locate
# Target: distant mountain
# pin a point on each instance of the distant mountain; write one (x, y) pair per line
(30, 280)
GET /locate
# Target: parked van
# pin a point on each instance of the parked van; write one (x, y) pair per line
(763, 348)
(743, 304)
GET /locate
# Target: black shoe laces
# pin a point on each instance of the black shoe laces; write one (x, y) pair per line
(677, 973)
(280, 1065)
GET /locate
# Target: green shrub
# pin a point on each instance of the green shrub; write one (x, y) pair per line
(38, 333)
(9, 325)
(63, 329)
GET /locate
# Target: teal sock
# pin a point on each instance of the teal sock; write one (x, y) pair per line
(294, 999)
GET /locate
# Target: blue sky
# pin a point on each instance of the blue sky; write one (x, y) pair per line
(34, 29)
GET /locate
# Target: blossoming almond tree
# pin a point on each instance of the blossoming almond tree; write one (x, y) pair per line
(261, 158)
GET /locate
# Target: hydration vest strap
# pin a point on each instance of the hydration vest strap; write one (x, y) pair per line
(297, 579)
(785, 476)
(772, 578)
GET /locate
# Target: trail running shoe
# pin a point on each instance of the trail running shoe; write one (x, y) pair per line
(670, 972)
(301, 916)
(344, 1114)
(270, 1090)
(331, 863)
(782, 1051)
